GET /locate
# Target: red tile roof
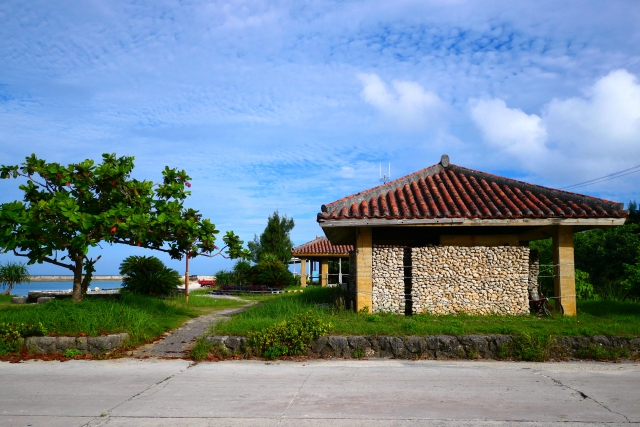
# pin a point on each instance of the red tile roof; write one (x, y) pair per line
(457, 192)
(321, 245)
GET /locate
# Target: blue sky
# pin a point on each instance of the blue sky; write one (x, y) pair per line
(288, 105)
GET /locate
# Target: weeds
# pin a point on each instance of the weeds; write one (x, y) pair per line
(289, 337)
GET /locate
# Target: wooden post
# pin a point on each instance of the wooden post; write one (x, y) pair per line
(303, 272)
(364, 263)
(564, 275)
(324, 271)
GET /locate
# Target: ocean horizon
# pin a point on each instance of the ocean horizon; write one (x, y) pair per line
(23, 289)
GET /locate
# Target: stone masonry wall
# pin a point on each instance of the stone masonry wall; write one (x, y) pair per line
(473, 280)
(388, 281)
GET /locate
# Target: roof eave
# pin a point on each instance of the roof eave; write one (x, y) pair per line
(440, 222)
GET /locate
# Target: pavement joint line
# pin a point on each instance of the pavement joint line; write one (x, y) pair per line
(106, 415)
(583, 395)
(294, 397)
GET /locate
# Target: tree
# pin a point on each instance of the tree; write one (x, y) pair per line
(148, 276)
(69, 209)
(275, 239)
(13, 273)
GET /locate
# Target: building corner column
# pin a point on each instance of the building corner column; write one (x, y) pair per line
(564, 276)
(364, 263)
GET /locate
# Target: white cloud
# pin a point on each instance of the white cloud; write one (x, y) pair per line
(409, 103)
(600, 129)
(510, 129)
(606, 122)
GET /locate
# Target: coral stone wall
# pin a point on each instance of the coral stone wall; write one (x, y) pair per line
(388, 280)
(473, 280)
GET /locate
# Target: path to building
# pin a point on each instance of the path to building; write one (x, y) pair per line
(177, 393)
(179, 341)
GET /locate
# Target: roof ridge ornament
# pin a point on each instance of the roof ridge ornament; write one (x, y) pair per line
(444, 160)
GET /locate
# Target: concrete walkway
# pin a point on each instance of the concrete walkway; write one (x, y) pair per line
(177, 393)
(179, 341)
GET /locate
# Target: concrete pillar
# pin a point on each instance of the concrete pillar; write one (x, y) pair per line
(339, 270)
(364, 263)
(324, 271)
(303, 272)
(564, 275)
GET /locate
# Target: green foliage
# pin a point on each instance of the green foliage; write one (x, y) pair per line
(289, 337)
(275, 239)
(13, 273)
(71, 353)
(203, 349)
(69, 209)
(599, 353)
(272, 273)
(607, 256)
(224, 277)
(529, 347)
(10, 334)
(631, 284)
(358, 353)
(147, 275)
(584, 288)
(242, 271)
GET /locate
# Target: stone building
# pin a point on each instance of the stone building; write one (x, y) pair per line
(448, 239)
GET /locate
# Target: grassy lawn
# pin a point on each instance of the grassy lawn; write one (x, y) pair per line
(142, 317)
(594, 318)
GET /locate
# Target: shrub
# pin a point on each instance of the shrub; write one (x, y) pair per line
(272, 273)
(224, 277)
(289, 337)
(10, 333)
(148, 276)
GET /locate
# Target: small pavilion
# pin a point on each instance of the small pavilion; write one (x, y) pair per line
(465, 236)
(320, 250)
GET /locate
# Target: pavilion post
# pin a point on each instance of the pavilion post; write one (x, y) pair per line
(564, 276)
(340, 270)
(303, 272)
(364, 264)
(324, 271)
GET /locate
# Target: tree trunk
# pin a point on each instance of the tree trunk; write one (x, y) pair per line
(77, 277)
(8, 291)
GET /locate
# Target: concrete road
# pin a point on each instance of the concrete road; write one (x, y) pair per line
(151, 392)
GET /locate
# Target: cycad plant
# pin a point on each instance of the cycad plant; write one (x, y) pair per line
(13, 273)
(147, 275)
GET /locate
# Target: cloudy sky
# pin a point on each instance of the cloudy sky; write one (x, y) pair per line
(288, 105)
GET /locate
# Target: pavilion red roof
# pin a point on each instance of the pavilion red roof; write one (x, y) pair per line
(452, 191)
(321, 245)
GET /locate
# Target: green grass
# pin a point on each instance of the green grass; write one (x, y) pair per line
(594, 318)
(142, 317)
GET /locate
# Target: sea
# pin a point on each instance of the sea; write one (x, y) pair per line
(24, 288)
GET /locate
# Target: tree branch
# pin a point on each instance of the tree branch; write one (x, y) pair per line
(47, 259)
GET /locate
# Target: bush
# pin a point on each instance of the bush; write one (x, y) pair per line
(11, 332)
(272, 273)
(224, 277)
(289, 337)
(148, 276)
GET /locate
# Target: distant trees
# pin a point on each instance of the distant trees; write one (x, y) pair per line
(275, 239)
(607, 261)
